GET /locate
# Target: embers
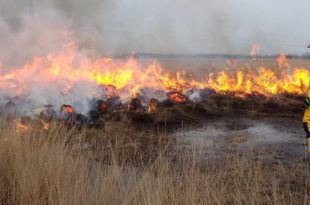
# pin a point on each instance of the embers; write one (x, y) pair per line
(177, 97)
(152, 106)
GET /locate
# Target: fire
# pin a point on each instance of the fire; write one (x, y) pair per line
(45, 125)
(20, 127)
(176, 97)
(125, 78)
(152, 106)
(66, 109)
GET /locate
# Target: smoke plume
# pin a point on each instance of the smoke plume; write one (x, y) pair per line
(33, 28)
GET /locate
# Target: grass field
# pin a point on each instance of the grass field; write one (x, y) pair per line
(119, 165)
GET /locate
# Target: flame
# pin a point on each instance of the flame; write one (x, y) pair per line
(176, 97)
(67, 109)
(45, 125)
(20, 127)
(152, 106)
(126, 77)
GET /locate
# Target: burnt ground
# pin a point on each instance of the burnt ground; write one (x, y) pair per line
(279, 137)
(229, 123)
(222, 122)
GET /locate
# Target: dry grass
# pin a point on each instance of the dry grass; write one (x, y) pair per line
(62, 166)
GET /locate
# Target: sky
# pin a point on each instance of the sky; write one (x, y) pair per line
(154, 26)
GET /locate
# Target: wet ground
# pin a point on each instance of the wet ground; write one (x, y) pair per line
(281, 136)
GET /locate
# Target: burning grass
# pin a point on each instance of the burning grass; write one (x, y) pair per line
(120, 164)
(116, 150)
(63, 80)
(167, 113)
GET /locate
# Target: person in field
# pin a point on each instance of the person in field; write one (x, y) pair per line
(306, 121)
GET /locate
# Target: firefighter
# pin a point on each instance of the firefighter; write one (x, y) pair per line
(306, 121)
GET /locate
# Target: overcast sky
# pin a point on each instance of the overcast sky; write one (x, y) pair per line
(160, 26)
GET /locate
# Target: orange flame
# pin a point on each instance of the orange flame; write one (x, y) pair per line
(67, 109)
(20, 127)
(176, 97)
(129, 76)
(152, 106)
(45, 125)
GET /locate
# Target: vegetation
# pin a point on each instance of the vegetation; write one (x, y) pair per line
(120, 164)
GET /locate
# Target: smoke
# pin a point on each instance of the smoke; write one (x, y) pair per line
(32, 27)
(32, 34)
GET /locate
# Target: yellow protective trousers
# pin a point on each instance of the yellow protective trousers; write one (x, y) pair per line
(306, 127)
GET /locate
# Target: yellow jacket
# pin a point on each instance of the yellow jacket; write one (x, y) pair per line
(307, 116)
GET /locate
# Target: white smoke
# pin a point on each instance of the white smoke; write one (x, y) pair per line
(154, 26)
(33, 28)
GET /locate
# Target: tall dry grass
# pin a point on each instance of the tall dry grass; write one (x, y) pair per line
(118, 166)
